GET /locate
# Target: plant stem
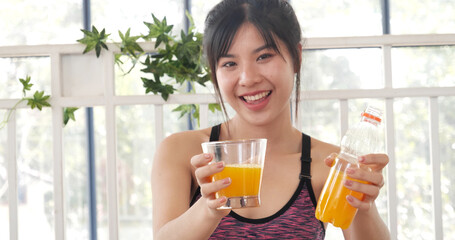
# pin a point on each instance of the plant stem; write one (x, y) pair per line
(10, 111)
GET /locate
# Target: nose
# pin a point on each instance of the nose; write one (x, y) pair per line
(249, 75)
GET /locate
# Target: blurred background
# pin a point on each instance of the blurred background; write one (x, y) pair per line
(413, 68)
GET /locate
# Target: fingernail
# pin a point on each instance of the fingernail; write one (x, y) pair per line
(349, 198)
(361, 159)
(220, 164)
(206, 155)
(222, 199)
(227, 180)
(350, 170)
(348, 183)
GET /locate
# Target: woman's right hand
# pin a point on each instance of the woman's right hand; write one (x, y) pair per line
(205, 168)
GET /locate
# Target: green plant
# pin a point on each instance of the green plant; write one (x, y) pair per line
(68, 113)
(176, 62)
(94, 40)
(38, 100)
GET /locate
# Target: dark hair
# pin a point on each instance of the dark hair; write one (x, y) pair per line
(273, 18)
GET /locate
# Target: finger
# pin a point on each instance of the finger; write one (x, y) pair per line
(376, 161)
(204, 173)
(208, 190)
(201, 160)
(370, 190)
(357, 203)
(330, 160)
(216, 203)
(375, 178)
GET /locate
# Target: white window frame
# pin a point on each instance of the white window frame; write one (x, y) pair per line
(110, 101)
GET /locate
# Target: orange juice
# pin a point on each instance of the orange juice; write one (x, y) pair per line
(245, 180)
(332, 205)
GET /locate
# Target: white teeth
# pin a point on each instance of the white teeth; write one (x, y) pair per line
(256, 97)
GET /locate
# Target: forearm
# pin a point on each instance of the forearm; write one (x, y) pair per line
(198, 222)
(369, 223)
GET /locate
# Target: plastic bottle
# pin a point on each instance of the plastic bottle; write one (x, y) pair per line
(359, 140)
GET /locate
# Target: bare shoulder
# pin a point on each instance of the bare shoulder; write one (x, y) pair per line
(319, 169)
(182, 146)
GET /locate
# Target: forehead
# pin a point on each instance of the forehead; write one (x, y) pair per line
(246, 35)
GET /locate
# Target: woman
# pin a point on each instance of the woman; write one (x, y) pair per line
(254, 52)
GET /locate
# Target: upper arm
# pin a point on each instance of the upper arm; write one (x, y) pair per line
(320, 170)
(171, 180)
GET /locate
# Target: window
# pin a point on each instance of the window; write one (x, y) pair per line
(347, 63)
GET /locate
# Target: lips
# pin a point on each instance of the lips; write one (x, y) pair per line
(256, 98)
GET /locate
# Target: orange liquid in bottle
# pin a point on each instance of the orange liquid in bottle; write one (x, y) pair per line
(332, 205)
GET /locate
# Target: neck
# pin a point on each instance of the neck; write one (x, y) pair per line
(280, 133)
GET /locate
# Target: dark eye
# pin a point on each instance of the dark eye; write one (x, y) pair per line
(229, 64)
(264, 56)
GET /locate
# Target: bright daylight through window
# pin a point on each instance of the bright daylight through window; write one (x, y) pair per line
(347, 62)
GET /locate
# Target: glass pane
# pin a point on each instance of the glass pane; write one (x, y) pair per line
(413, 169)
(135, 148)
(4, 210)
(29, 22)
(320, 119)
(38, 68)
(333, 233)
(447, 155)
(423, 66)
(99, 121)
(128, 77)
(339, 18)
(35, 174)
(199, 10)
(76, 175)
(174, 123)
(342, 69)
(115, 15)
(422, 16)
(217, 117)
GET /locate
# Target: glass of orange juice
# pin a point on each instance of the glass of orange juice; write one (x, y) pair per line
(244, 162)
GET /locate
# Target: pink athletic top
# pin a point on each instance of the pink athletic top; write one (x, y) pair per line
(296, 220)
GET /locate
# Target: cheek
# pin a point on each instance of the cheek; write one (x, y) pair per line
(225, 83)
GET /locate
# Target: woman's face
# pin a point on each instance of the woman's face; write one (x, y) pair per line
(254, 79)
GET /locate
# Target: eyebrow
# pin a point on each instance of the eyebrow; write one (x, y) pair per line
(266, 46)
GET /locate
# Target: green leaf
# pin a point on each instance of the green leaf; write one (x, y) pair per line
(26, 85)
(214, 107)
(157, 87)
(118, 60)
(94, 40)
(190, 20)
(153, 66)
(191, 109)
(183, 109)
(68, 113)
(158, 30)
(129, 44)
(39, 100)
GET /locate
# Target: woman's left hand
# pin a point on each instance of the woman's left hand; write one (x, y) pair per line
(372, 174)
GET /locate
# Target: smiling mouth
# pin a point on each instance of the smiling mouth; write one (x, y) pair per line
(257, 97)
